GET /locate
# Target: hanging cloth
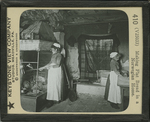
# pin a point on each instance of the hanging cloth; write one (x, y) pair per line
(97, 54)
(41, 28)
(46, 32)
(34, 28)
(97, 50)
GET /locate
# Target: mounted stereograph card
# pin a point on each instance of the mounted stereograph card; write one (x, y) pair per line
(75, 60)
(87, 55)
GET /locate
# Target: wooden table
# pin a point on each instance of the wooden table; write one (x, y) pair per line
(124, 92)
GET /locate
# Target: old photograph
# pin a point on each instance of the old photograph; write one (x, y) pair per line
(74, 60)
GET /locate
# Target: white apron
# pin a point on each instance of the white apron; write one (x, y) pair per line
(54, 84)
(114, 95)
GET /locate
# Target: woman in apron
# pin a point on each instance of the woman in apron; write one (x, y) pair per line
(55, 75)
(114, 95)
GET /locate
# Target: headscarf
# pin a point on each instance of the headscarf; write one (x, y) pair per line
(56, 45)
(113, 54)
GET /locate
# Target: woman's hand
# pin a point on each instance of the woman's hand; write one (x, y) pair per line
(41, 68)
(125, 73)
(50, 66)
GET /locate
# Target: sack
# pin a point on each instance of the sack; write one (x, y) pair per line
(123, 81)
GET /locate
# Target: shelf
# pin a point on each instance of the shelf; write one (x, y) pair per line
(35, 45)
(29, 62)
(31, 70)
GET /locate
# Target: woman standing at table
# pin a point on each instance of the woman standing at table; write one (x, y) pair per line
(114, 95)
(55, 75)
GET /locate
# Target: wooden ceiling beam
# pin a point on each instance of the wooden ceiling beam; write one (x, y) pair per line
(118, 14)
(88, 23)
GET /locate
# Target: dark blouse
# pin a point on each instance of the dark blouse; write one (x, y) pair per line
(114, 66)
(56, 59)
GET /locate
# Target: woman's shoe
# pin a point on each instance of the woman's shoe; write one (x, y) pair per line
(116, 106)
(50, 103)
(112, 105)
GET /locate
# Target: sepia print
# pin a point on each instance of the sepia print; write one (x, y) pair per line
(76, 61)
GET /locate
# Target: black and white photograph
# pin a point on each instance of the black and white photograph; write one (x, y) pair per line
(74, 60)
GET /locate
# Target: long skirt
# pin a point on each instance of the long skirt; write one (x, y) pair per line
(54, 85)
(21, 77)
(114, 95)
(107, 88)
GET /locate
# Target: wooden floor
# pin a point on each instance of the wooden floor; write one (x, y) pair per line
(84, 103)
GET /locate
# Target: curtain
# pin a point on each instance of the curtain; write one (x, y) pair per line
(97, 54)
